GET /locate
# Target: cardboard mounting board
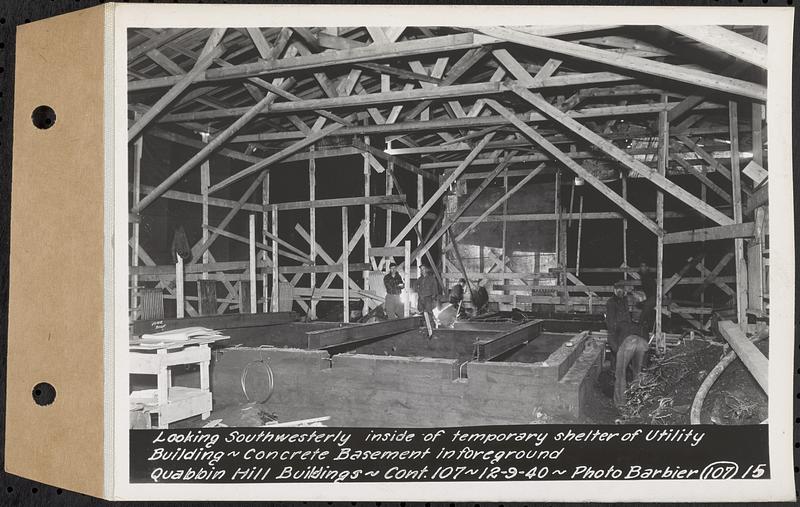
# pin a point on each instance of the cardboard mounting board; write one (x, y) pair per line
(56, 287)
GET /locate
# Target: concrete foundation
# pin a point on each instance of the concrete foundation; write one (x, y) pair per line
(408, 379)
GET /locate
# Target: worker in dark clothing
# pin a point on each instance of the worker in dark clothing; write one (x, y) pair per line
(618, 318)
(647, 319)
(631, 355)
(394, 288)
(457, 292)
(457, 296)
(427, 291)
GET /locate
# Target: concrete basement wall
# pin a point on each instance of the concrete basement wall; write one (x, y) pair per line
(370, 390)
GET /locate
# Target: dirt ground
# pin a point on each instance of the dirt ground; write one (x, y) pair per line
(669, 385)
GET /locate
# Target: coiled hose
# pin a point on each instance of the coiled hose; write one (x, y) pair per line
(270, 380)
(713, 375)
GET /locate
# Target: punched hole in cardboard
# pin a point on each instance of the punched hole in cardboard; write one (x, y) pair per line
(43, 117)
(44, 394)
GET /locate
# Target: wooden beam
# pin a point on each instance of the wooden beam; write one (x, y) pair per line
(302, 257)
(636, 64)
(465, 63)
(155, 42)
(276, 284)
(179, 87)
(709, 158)
(753, 359)
(364, 101)
(442, 189)
(702, 177)
(577, 169)
(198, 199)
(209, 149)
(338, 203)
(744, 230)
(252, 265)
(399, 162)
(345, 266)
(727, 41)
(188, 141)
(663, 160)
(711, 276)
(383, 251)
(221, 322)
(693, 101)
(738, 243)
(676, 278)
(454, 217)
(488, 349)
(407, 277)
(403, 74)
(618, 154)
(179, 302)
(499, 202)
(260, 42)
(258, 166)
(436, 124)
(350, 335)
(199, 249)
(369, 53)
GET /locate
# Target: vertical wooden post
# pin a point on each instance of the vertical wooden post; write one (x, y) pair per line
(252, 265)
(205, 182)
(663, 158)
(137, 178)
(275, 276)
(367, 228)
(557, 210)
(755, 248)
(444, 250)
(345, 265)
(561, 237)
(389, 186)
(420, 204)
(736, 195)
(264, 229)
(407, 279)
(580, 230)
(504, 232)
(312, 196)
(704, 198)
(625, 228)
(179, 302)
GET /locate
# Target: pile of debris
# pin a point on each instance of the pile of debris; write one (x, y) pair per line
(667, 387)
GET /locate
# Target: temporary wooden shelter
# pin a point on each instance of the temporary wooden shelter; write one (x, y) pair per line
(679, 112)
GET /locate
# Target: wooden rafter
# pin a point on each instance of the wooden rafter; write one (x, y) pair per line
(637, 64)
(576, 168)
(209, 148)
(727, 41)
(369, 53)
(618, 154)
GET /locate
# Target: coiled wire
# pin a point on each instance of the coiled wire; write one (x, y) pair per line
(270, 380)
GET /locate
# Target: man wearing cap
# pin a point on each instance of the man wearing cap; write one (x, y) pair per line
(428, 290)
(618, 318)
(394, 287)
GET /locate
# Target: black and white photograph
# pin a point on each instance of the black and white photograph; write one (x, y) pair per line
(399, 228)
(425, 226)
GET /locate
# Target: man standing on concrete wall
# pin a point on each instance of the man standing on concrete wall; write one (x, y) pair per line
(427, 290)
(394, 288)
